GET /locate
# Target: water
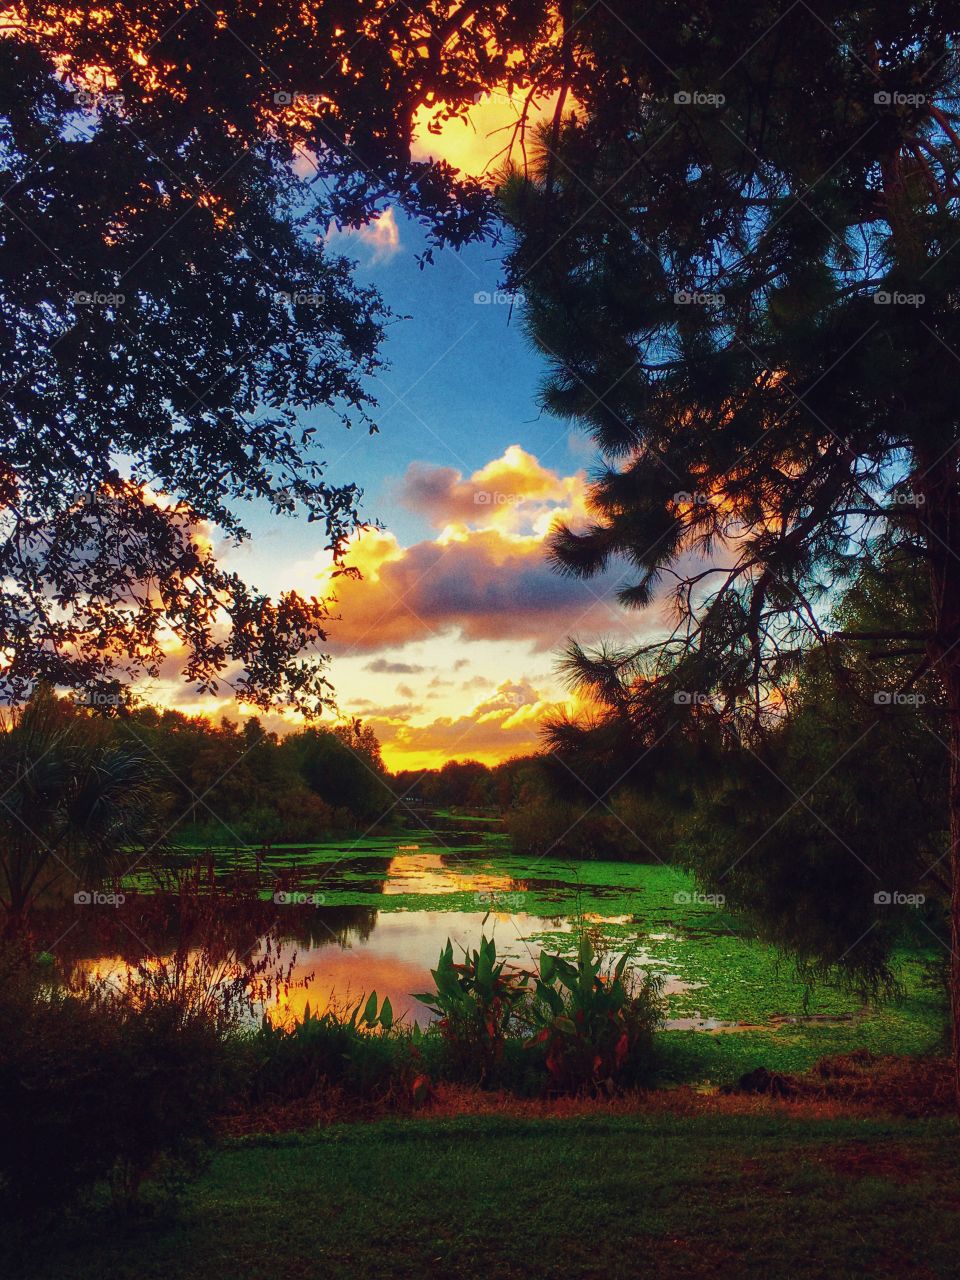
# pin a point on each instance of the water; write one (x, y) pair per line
(352, 920)
(396, 958)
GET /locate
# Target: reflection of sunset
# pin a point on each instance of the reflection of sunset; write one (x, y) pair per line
(332, 978)
(395, 961)
(427, 873)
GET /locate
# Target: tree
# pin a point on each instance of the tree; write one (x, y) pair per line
(738, 256)
(75, 803)
(175, 328)
(830, 832)
(344, 775)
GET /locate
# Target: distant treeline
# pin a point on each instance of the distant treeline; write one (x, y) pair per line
(222, 784)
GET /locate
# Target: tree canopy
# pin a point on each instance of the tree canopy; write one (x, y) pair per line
(740, 259)
(175, 323)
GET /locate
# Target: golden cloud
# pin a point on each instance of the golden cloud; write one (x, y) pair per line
(512, 490)
(479, 143)
(506, 723)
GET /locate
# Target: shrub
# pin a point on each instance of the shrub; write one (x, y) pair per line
(95, 1086)
(478, 1004)
(557, 829)
(361, 1051)
(596, 1028)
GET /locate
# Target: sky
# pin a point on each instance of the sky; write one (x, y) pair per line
(448, 644)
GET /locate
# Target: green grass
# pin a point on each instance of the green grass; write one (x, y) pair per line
(759, 1196)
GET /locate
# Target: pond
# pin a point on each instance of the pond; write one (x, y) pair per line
(357, 917)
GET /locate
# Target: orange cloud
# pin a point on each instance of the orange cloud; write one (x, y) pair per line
(513, 490)
(381, 235)
(506, 723)
(485, 584)
(479, 143)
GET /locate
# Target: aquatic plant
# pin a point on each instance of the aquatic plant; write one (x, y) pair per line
(596, 1026)
(477, 1001)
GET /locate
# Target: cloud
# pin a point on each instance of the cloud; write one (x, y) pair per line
(514, 490)
(483, 576)
(399, 711)
(483, 584)
(382, 667)
(506, 723)
(478, 143)
(382, 236)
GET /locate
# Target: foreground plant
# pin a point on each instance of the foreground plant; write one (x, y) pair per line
(478, 1003)
(362, 1051)
(596, 1027)
(101, 1086)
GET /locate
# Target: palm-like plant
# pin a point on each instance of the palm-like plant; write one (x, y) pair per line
(72, 800)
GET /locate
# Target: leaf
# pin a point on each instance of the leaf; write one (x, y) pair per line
(386, 1014)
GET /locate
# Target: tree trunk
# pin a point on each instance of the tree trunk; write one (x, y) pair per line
(953, 692)
(939, 524)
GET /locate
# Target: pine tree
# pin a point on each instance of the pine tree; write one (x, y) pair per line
(740, 256)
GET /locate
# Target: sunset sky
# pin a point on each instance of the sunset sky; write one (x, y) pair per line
(448, 644)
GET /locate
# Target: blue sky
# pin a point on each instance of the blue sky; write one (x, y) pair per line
(462, 382)
(448, 645)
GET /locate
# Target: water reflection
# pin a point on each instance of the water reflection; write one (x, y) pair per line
(417, 872)
(396, 958)
(337, 954)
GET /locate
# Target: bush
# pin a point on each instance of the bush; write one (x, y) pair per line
(596, 1028)
(478, 1005)
(557, 829)
(360, 1051)
(98, 1087)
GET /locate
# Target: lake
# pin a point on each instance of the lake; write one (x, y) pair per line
(359, 916)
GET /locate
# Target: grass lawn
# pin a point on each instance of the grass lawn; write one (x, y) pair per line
(657, 1195)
